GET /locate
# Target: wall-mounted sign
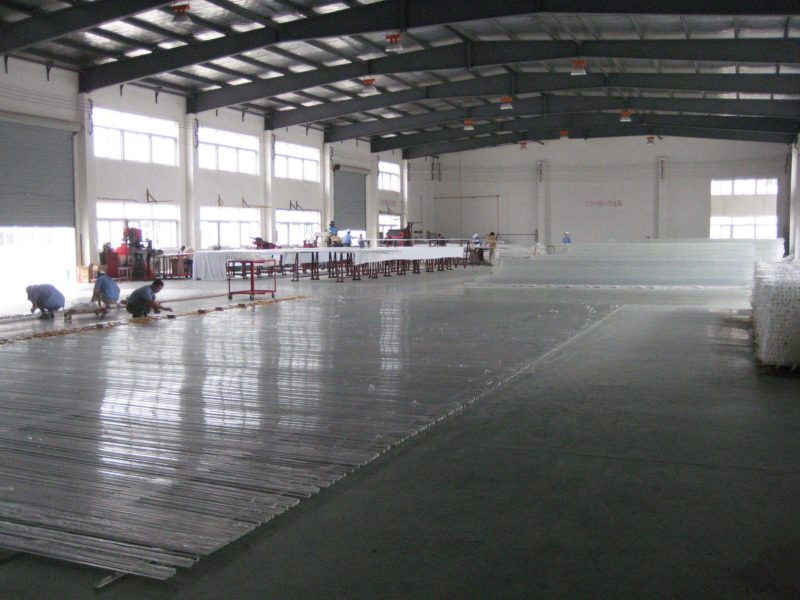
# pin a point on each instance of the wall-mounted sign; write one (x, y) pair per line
(593, 203)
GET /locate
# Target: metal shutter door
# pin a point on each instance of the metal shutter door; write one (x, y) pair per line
(350, 200)
(36, 176)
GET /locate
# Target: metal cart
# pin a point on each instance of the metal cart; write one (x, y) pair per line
(265, 267)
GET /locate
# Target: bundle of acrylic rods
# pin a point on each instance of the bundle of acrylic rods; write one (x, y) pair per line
(141, 449)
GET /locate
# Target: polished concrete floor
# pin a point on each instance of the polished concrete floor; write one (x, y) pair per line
(633, 451)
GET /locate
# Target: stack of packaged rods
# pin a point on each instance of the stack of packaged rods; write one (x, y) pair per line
(776, 313)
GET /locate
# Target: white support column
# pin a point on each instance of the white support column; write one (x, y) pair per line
(403, 195)
(660, 229)
(543, 216)
(190, 218)
(267, 213)
(327, 186)
(85, 187)
(794, 205)
(372, 199)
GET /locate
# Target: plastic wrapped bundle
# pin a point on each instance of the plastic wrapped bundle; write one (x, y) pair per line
(776, 313)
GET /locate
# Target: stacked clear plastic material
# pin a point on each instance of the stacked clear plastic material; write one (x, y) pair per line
(776, 313)
(142, 448)
(654, 263)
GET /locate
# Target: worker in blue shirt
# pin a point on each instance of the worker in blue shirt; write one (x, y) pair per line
(143, 300)
(348, 239)
(106, 291)
(46, 298)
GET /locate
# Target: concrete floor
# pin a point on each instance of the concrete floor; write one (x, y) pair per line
(648, 459)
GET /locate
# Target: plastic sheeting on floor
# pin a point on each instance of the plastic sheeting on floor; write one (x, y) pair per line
(142, 448)
(672, 263)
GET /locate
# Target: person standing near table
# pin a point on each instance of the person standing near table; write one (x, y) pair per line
(348, 239)
(46, 298)
(143, 300)
(491, 243)
(566, 241)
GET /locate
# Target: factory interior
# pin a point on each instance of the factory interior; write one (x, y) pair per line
(399, 299)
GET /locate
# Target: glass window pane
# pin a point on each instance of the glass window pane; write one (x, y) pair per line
(164, 150)
(744, 187)
(137, 147)
(103, 233)
(282, 230)
(767, 187)
(295, 168)
(227, 158)
(281, 167)
(209, 234)
(766, 232)
(167, 234)
(743, 232)
(207, 156)
(107, 143)
(248, 162)
(310, 170)
(229, 234)
(721, 187)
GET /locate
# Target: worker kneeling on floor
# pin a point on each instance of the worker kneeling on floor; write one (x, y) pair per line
(143, 300)
(46, 298)
(106, 291)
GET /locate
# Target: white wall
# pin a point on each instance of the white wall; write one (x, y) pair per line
(598, 190)
(25, 90)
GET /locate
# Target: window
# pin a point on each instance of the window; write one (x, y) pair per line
(228, 226)
(219, 150)
(388, 176)
(126, 136)
(744, 209)
(721, 188)
(293, 161)
(744, 187)
(387, 222)
(157, 220)
(764, 227)
(295, 226)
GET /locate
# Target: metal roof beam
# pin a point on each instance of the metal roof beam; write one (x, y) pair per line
(555, 104)
(485, 54)
(50, 26)
(603, 132)
(546, 82)
(577, 122)
(402, 15)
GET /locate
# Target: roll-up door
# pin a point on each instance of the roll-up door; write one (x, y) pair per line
(36, 176)
(350, 199)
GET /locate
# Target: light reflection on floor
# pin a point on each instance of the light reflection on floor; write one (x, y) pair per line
(166, 441)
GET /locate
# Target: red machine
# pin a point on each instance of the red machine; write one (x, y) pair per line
(399, 237)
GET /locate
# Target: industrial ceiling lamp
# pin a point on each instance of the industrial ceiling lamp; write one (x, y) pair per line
(394, 44)
(506, 103)
(523, 145)
(625, 116)
(651, 140)
(180, 12)
(469, 124)
(369, 85)
(578, 67)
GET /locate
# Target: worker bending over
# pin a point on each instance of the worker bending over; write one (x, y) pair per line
(143, 300)
(46, 298)
(106, 292)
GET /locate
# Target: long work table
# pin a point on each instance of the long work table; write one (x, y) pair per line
(338, 261)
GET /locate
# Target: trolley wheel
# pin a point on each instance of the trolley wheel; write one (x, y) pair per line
(252, 297)
(230, 296)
